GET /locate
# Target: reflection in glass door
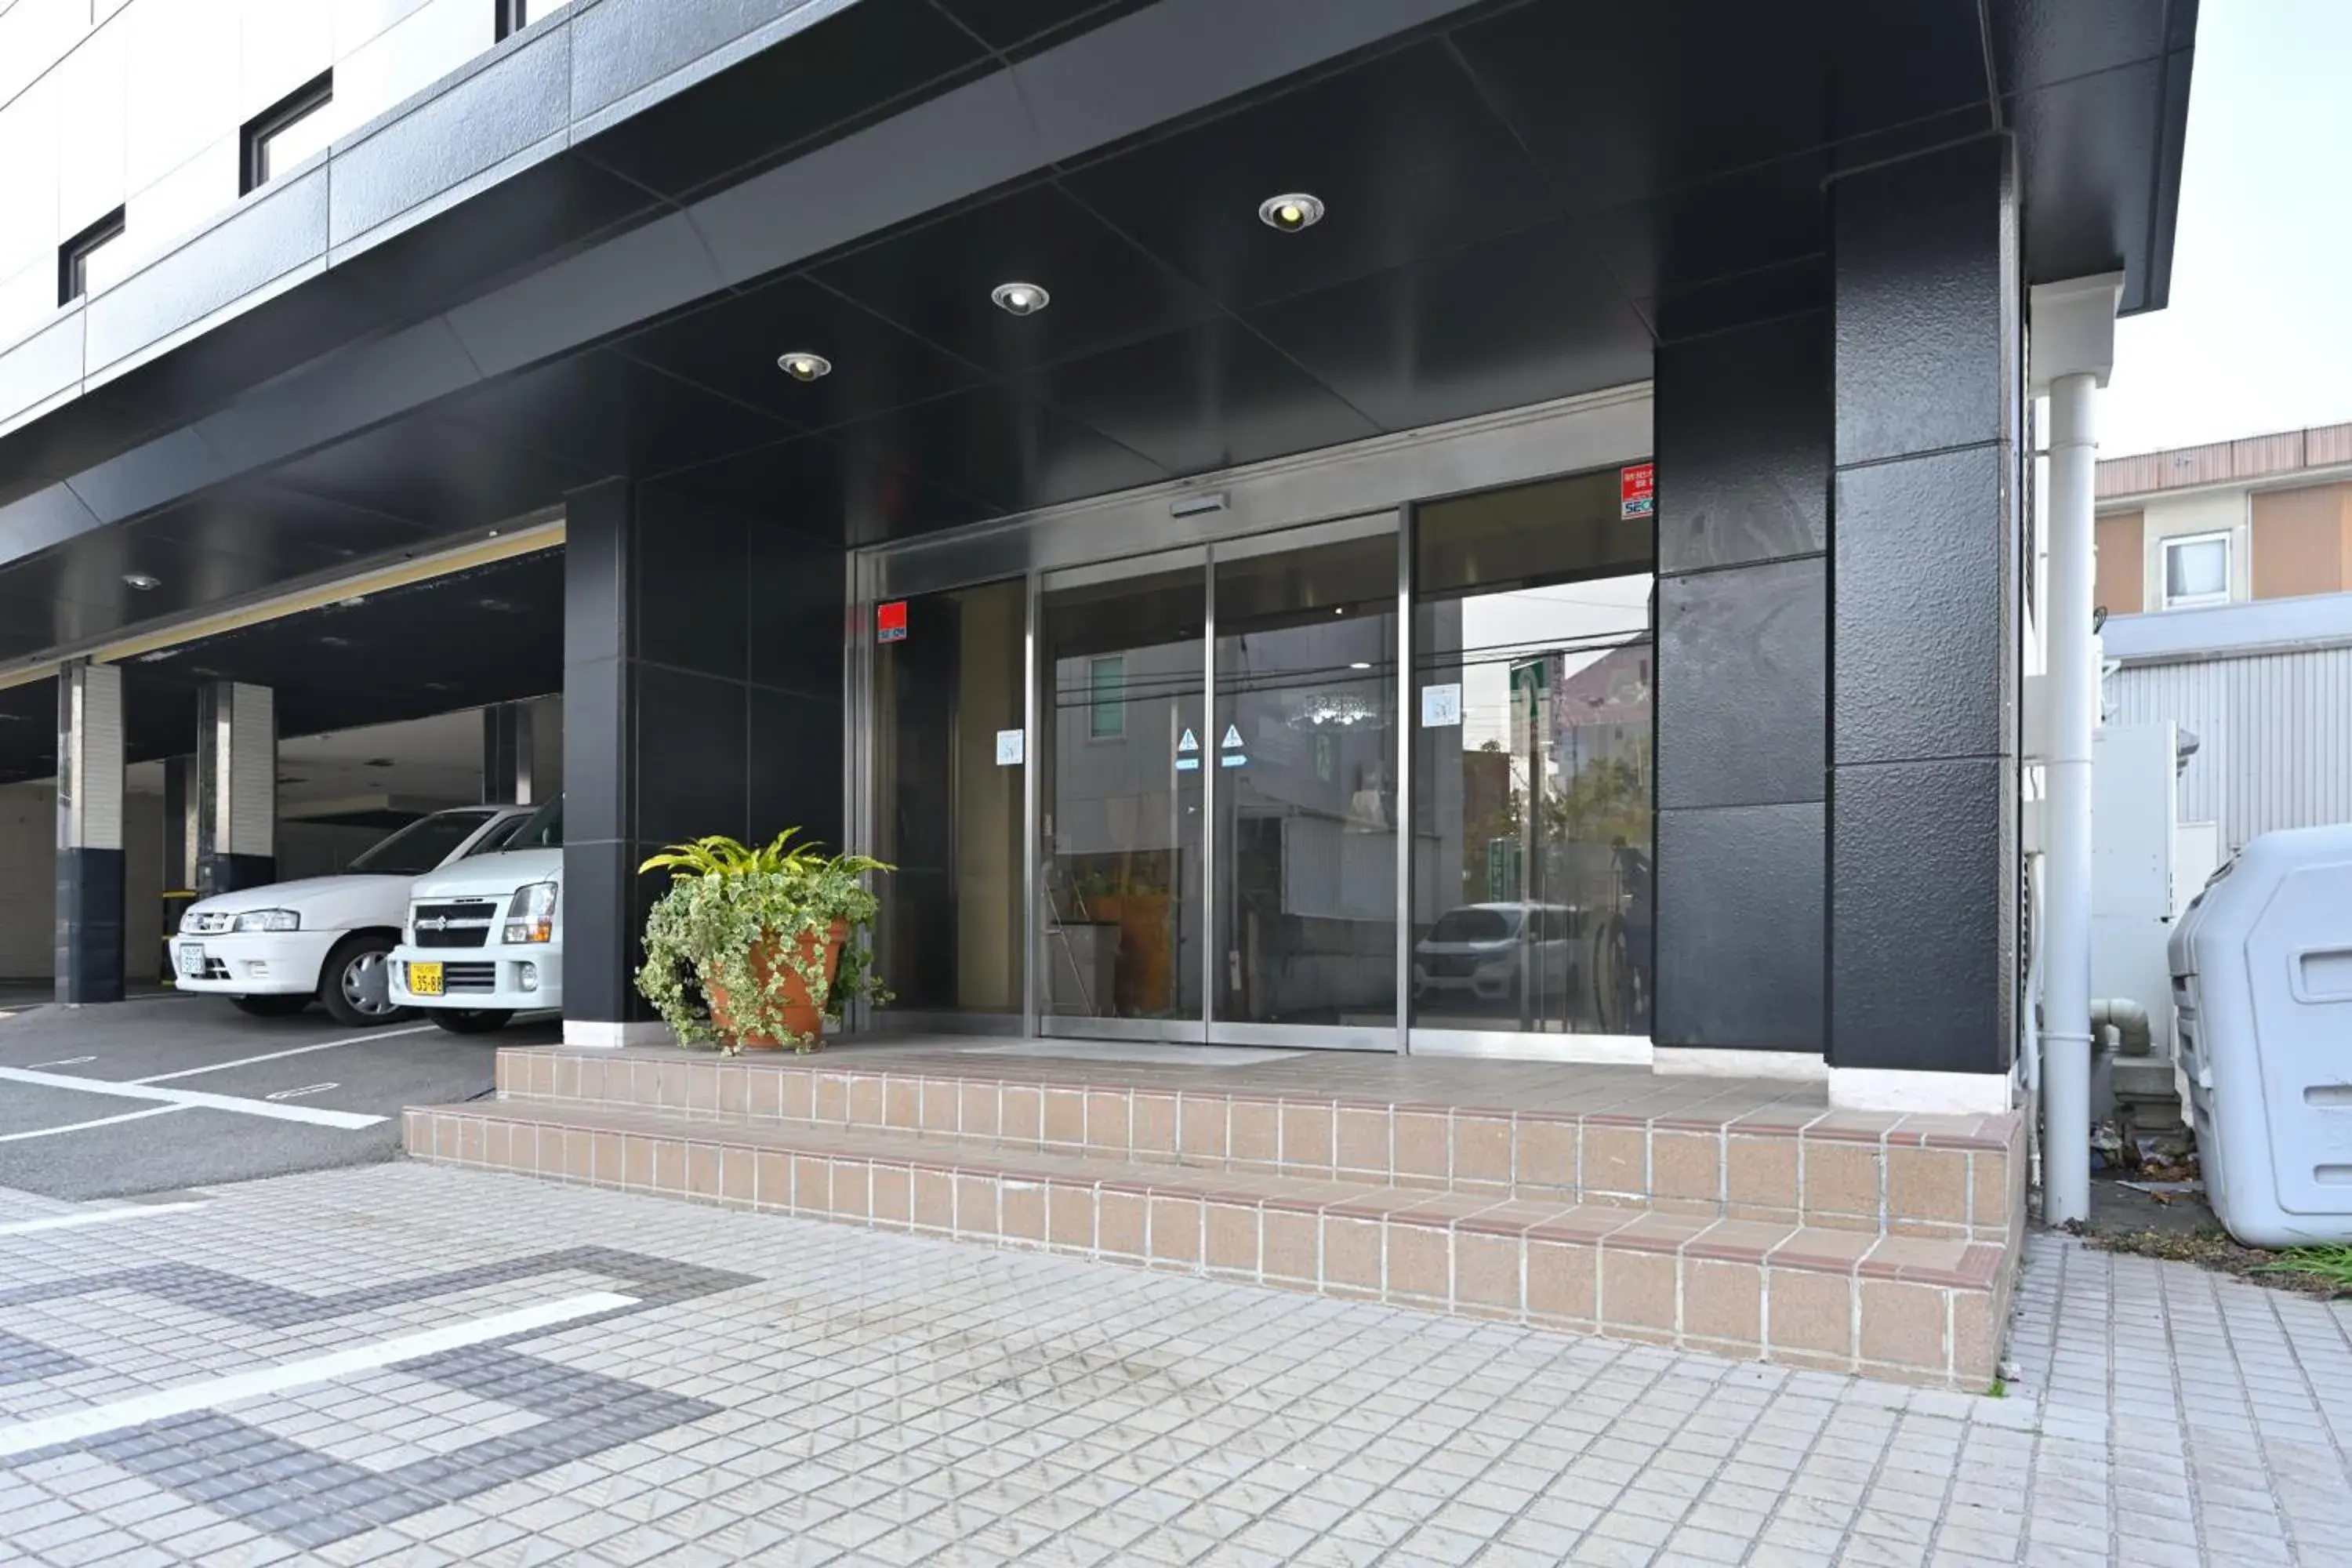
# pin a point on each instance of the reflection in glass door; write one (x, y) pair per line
(1303, 845)
(1120, 770)
(1532, 766)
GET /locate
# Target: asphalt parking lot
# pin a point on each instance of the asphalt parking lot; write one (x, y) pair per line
(164, 1092)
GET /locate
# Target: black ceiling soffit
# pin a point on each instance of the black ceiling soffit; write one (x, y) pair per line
(1522, 199)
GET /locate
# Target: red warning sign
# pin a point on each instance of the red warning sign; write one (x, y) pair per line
(890, 621)
(1637, 490)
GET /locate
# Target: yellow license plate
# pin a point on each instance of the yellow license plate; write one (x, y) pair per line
(424, 980)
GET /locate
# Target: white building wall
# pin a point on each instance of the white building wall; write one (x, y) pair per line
(138, 104)
(2274, 732)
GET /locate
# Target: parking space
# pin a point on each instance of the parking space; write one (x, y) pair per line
(165, 1092)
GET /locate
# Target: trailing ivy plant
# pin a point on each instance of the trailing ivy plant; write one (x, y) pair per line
(726, 898)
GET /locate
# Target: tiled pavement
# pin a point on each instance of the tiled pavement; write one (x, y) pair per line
(790, 1392)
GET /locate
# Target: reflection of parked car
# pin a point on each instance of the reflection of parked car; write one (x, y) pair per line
(271, 949)
(1473, 955)
(485, 940)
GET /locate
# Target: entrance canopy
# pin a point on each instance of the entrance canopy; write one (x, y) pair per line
(583, 256)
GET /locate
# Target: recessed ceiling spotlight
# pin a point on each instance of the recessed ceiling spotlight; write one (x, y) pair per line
(1021, 298)
(1360, 664)
(353, 602)
(804, 366)
(1291, 213)
(332, 641)
(140, 581)
(158, 656)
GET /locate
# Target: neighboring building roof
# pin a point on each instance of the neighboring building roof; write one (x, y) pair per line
(2224, 631)
(2278, 456)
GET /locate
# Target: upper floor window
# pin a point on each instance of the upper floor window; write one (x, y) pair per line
(1107, 697)
(286, 132)
(514, 15)
(74, 255)
(2195, 571)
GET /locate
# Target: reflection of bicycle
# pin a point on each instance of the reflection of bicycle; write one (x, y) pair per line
(1620, 955)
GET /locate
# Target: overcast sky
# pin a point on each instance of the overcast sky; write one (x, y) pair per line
(2259, 334)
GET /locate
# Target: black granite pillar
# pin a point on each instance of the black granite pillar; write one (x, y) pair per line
(1925, 614)
(1743, 449)
(702, 693)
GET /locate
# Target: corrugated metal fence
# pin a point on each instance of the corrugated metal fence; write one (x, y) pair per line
(2274, 731)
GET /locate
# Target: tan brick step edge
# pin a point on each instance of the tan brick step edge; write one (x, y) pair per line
(1959, 1177)
(1909, 1309)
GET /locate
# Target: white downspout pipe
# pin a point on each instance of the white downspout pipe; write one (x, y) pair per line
(2073, 325)
(2074, 687)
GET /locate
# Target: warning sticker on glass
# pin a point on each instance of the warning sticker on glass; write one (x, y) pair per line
(1009, 747)
(1637, 490)
(890, 621)
(1441, 706)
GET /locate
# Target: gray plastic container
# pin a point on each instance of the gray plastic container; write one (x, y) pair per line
(2261, 977)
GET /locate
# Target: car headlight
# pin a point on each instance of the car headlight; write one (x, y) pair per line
(269, 919)
(530, 914)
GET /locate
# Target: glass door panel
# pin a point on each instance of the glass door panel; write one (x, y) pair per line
(948, 816)
(1533, 774)
(1303, 762)
(1122, 748)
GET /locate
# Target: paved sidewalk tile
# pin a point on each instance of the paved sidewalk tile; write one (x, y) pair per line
(733, 1388)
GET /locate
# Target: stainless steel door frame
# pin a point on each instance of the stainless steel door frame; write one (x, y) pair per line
(1539, 441)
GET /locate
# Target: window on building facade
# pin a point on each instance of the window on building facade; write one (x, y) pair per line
(514, 15)
(2195, 571)
(74, 255)
(287, 132)
(1107, 698)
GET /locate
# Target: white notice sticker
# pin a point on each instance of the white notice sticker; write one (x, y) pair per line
(1009, 744)
(1441, 706)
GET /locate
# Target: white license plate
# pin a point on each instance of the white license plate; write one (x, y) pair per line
(192, 958)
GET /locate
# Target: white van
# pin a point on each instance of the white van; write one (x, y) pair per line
(484, 939)
(273, 949)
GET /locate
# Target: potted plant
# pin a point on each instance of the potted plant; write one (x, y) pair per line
(753, 947)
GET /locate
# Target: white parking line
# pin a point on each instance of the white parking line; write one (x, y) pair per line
(279, 1055)
(140, 1409)
(191, 1098)
(97, 1121)
(96, 1216)
(63, 1062)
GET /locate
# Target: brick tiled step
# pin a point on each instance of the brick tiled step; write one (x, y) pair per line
(1687, 1148)
(1916, 1309)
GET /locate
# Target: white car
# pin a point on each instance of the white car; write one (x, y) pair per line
(273, 949)
(485, 937)
(1474, 955)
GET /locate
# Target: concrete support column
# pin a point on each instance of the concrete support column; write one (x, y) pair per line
(523, 752)
(180, 793)
(2074, 349)
(1925, 625)
(702, 681)
(236, 787)
(90, 958)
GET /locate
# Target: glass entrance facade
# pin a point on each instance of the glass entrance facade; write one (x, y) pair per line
(1381, 782)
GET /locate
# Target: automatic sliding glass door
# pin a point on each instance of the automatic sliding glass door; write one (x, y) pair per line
(1121, 662)
(1225, 869)
(1303, 840)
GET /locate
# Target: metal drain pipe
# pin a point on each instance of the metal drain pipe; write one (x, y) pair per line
(2073, 350)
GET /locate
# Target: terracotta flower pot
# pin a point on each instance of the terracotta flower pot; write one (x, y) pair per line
(803, 1014)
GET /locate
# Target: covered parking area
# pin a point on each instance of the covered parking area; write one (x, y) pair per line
(271, 741)
(716, 281)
